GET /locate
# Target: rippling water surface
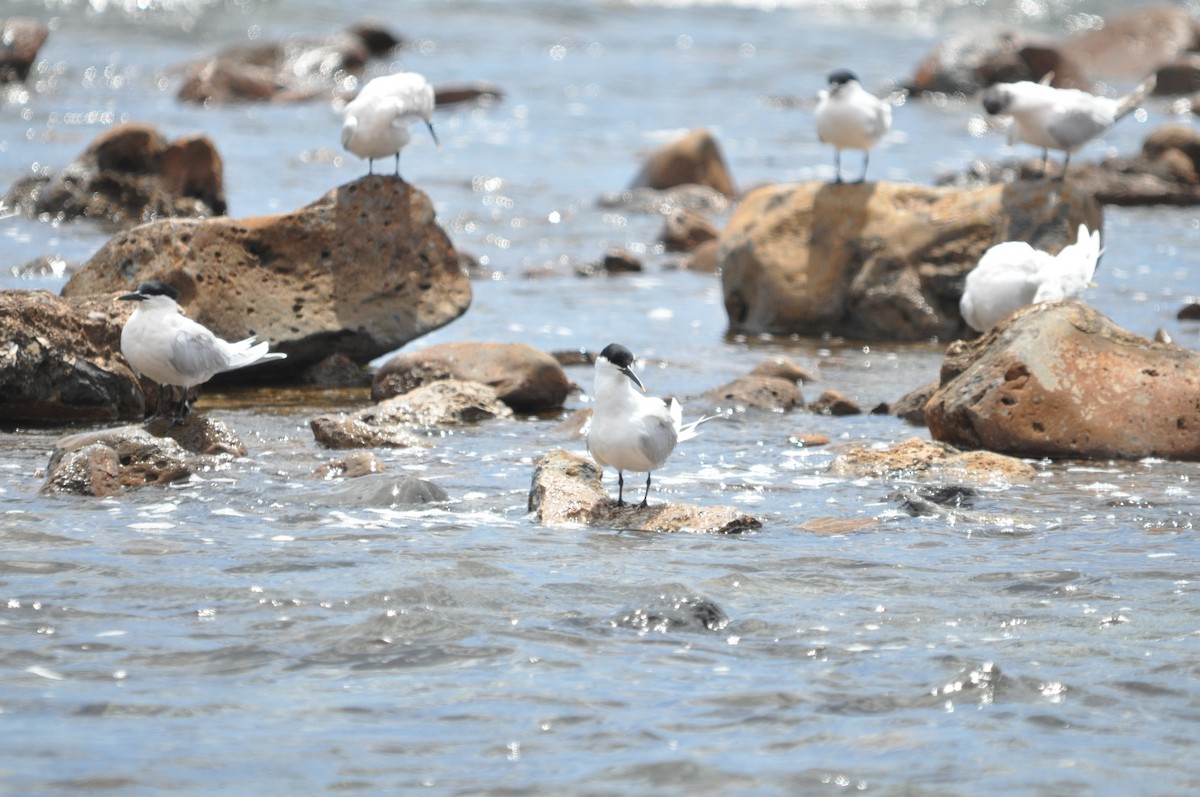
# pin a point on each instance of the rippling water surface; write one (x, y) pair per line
(248, 633)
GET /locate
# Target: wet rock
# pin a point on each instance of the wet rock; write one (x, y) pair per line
(382, 490)
(291, 70)
(200, 435)
(1134, 43)
(879, 261)
(567, 489)
(832, 402)
(685, 230)
(838, 525)
(1180, 77)
(809, 440)
(694, 159)
(351, 466)
(1189, 312)
(20, 40)
(665, 201)
(131, 174)
(783, 368)
(616, 261)
(926, 501)
(106, 462)
(349, 431)
(925, 459)
(336, 370)
(60, 360)
(703, 259)
(675, 610)
(360, 272)
(971, 60)
(524, 378)
(769, 393)
(911, 406)
(1061, 380)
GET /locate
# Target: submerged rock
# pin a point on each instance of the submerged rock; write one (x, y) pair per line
(1061, 380)
(524, 378)
(381, 489)
(129, 175)
(694, 159)
(925, 459)
(360, 272)
(351, 466)
(878, 261)
(770, 393)
(108, 461)
(568, 489)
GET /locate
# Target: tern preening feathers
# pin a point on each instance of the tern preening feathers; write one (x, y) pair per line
(1013, 274)
(850, 117)
(377, 120)
(1058, 119)
(172, 349)
(629, 430)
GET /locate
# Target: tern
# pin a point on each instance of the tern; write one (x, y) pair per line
(163, 344)
(628, 430)
(850, 117)
(1058, 119)
(376, 121)
(1013, 274)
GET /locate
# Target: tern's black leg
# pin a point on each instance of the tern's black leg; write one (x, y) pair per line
(159, 408)
(1045, 162)
(620, 488)
(397, 163)
(647, 495)
(1066, 161)
(370, 166)
(866, 160)
(837, 165)
(181, 411)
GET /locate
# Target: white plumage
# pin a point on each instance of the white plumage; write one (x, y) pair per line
(849, 117)
(1058, 119)
(628, 430)
(1013, 274)
(172, 349)
(376, 122)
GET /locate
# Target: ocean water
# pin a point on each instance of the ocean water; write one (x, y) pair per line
(246, 633)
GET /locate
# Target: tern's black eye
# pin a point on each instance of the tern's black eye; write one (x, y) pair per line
(618, 355)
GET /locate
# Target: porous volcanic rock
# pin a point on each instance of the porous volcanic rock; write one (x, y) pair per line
(130, 174)
(922, 459)
(1061, 380)
(567, 488)
(693, 159)
(108, 461)
(360, 272)
(60, 360)
(526, 379)
(879, 261)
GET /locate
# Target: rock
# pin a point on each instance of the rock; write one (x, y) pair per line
(129, 175)
(769, 393)
(809, 440)
(360, 272)
(292, 70)
(661, 202)
(834, 403)
(60, 360)
(911, 406)
(524, 378)
(1060, 380)
(922, 458)
(828, 526)
(351, 466)
(783, 368)
(466, 92)
(675, 611)
(20, 40)
(879, 261)
(567, 489)
(616, 261)
(936, 501)
(976, 58)
(105, 462)
(693, 159)
(702, 259)
(686, 229)
(349, 431)
(1180, 77)
(200, 435)
(1132, 44)
(382, 490)
(1162, 336)
(1189, 312)
(336, 370)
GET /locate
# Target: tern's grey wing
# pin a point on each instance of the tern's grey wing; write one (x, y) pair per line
(1073, 129)
(198, 354)
(658, 441)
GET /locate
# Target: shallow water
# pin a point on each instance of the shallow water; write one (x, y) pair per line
(244, 632)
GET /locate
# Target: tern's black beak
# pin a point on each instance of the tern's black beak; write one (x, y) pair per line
(429, 124)
(629, 373)
(132, 297)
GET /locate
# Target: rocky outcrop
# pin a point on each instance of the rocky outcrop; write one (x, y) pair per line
(973, 59)
(60, 360)
(1061, 380)
(878, 261)
(129, 175)
(694, 159)
(922, 459)
(568, 489)
(524, 378)
(20, 40)
(360, 272)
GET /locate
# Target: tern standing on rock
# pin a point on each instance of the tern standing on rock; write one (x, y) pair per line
(850, 117)
(172, 349)
(628, 430)
(377, 120)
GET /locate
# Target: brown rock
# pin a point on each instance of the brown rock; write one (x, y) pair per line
(351, 466)
(336, 370)
(349, 431)
(911, 406)
(784, 368)
(104, 462)
(91, 470)
(878, 260)
(466, 92)
(360, 272)
(568, 489)
(685, 229)
(200, 435)
(1061, 380)
(809, 440)
(1189, 312)
(703, 259)
(693, 159)
(757, 392)
(524, 378)
(20, 40)
(617, 261)
(60, 360)
(835, 403)
(1135, 43)
(129, 175)
(922, 458)
(839, 525)
(1180, 77)
(1172, 138)
(974, 59)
